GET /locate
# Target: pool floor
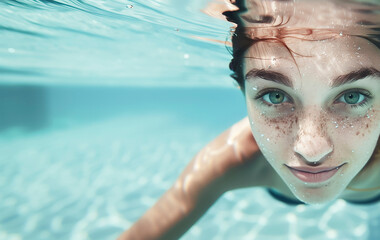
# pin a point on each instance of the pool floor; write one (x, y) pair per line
(94, 179)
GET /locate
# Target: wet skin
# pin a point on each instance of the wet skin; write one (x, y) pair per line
(312, 122)
(307, 121)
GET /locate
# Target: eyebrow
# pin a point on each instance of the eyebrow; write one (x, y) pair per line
(280, 78)
(270, 76)
(354, 76)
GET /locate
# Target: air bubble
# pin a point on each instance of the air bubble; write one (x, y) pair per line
(186, 56)
(292, 109)
(268, 139)
(254, 88)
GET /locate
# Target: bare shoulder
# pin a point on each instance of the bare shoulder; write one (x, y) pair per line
(256, 172)
(233, 160)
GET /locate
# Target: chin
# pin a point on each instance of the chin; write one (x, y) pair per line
(316, 196)
(316, 200)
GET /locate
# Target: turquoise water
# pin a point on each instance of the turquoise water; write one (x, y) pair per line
(101, 42)
(102, 105)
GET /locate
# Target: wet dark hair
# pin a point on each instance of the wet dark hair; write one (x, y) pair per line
(242, 40)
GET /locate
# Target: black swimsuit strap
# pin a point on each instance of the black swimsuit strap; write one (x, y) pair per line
(282, 198)
(369, 201)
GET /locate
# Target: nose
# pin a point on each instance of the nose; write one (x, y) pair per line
(312, 144)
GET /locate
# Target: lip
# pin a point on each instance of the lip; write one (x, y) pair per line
(314, 174)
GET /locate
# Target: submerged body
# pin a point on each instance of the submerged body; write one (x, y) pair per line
(313, 125)
(231, 161)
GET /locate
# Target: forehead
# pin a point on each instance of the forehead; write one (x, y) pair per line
(299, 14)
(322, 60)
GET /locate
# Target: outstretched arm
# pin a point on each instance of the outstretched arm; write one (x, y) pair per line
(226, 163)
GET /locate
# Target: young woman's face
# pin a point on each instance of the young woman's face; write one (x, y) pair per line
(315, 117)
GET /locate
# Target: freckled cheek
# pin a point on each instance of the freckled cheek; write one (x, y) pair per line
(349, 134)
(360, 127)
(274, 135)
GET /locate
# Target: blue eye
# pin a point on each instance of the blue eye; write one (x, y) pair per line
(355, 98)
(274, 97)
